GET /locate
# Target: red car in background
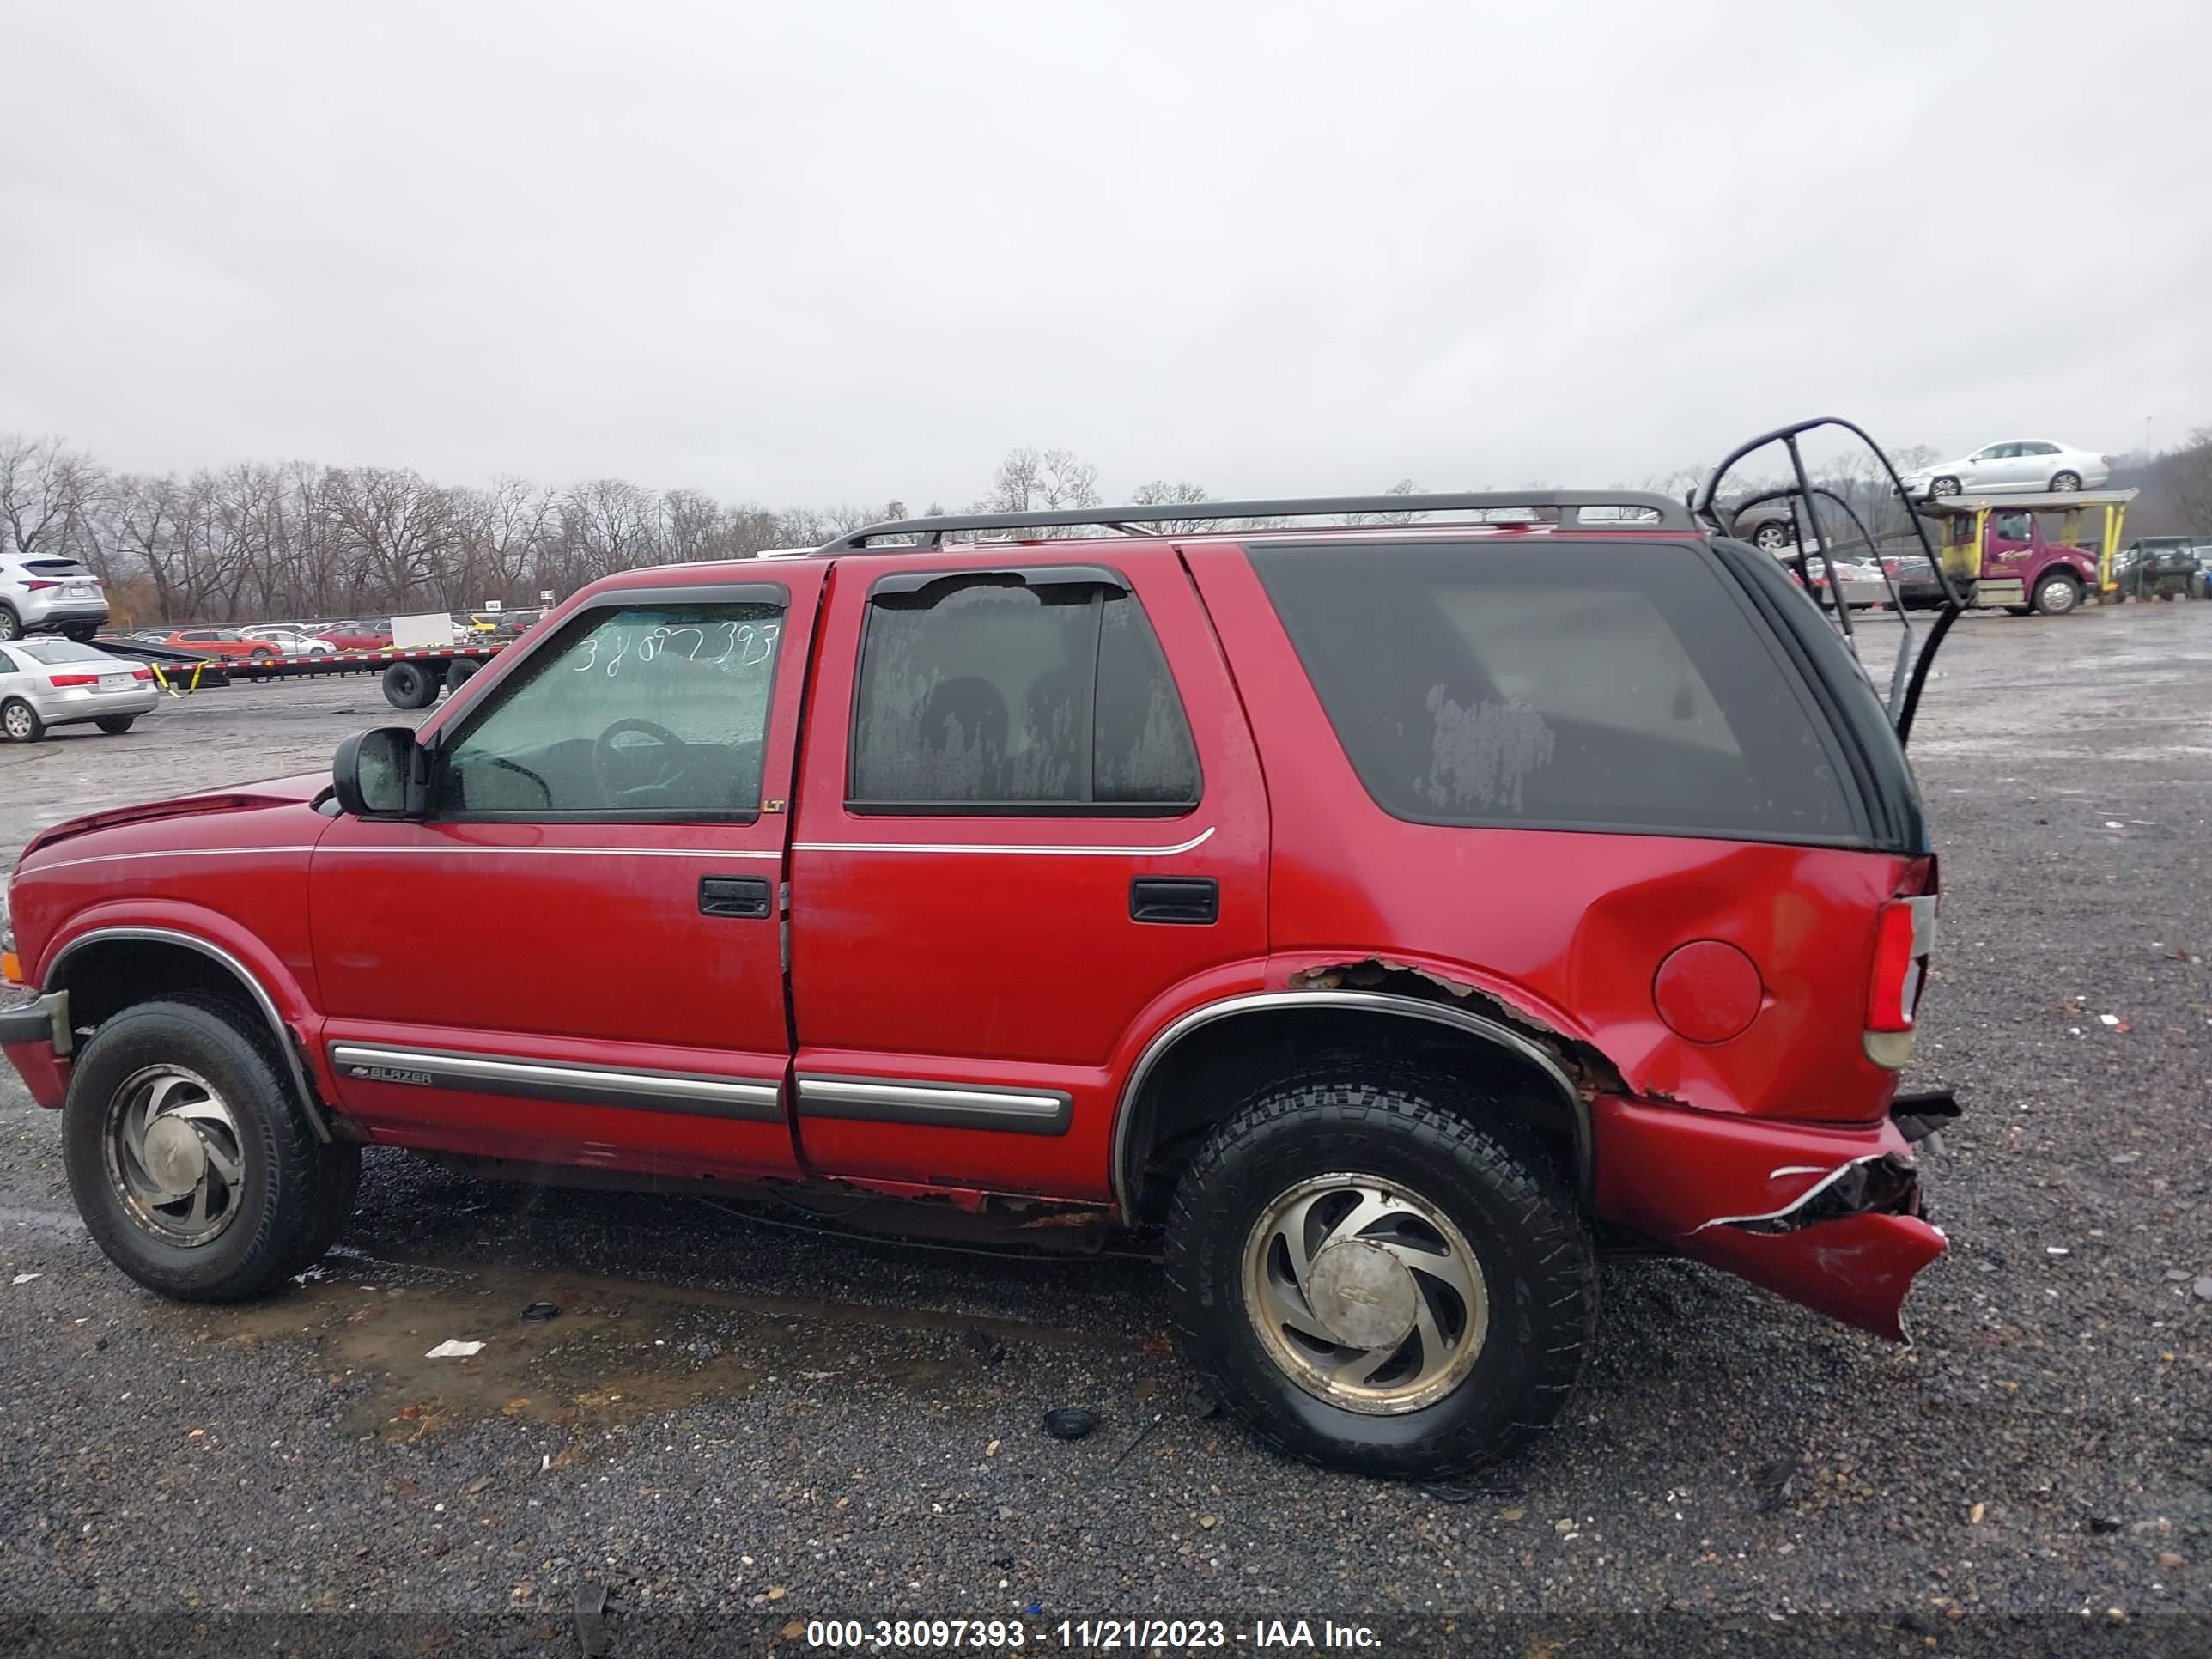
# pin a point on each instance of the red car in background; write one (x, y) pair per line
(373, 634)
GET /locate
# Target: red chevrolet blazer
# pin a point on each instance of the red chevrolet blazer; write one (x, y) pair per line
(1381, 914)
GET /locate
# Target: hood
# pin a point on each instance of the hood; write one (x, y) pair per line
(239, 798)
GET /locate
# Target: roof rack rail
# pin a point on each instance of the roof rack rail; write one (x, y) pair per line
(1666, 513)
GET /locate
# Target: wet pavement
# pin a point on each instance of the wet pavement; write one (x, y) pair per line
(747, 1423)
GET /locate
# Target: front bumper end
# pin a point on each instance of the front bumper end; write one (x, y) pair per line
(1829, 1218)
(36, 1038)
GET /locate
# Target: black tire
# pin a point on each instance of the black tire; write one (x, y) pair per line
(295, 1191)
(459, 674)
(1773, 536)
(11, 625)
(1946, 485)
(115, 724)
(2055, 595)
(19, 722)
(410, 685)
(1431, 1136)
(2063, 484)
(2020, 611)
(82, 635)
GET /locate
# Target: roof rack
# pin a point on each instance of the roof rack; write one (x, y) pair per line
(1665, 514)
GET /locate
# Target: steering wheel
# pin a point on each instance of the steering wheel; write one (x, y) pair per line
(608, 758)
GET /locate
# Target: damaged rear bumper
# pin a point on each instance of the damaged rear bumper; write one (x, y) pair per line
(1830, 1217)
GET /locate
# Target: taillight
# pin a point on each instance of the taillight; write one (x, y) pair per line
(35, 586)
(74, 679)
(1905, 934)
(142, 673)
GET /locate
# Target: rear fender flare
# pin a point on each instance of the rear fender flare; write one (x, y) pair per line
(1389, 1004)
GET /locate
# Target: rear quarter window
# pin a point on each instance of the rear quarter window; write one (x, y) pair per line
(1623, 686)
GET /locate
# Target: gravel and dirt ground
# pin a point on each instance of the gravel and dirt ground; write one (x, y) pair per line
(735, 1428)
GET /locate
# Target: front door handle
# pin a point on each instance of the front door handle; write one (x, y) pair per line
(1195, 900)
(746, 898)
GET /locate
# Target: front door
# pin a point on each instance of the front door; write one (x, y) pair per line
(1045, 836)
(576, 959)
(2011, 540)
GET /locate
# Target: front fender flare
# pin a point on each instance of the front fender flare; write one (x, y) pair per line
(93, 932)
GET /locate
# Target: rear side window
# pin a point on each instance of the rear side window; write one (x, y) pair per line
(1558, 684)
(63, 651)
(993, 692)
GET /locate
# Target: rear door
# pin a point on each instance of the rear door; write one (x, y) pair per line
(577, 957)
(1046, 832)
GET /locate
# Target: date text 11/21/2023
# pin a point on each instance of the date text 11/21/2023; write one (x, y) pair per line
(1088, 1635)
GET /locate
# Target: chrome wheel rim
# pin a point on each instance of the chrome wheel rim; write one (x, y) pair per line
(2064, 482)
(19, 721)
(2058, 596)
(1771, 536)
(174, 1155)
(1365, 1293)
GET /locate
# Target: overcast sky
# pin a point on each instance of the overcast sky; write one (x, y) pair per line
(810, 253)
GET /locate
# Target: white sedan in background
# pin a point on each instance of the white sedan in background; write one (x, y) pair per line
(290, 641)
(46, 682)
(2024, 464)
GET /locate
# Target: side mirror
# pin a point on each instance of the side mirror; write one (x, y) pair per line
(384, 774)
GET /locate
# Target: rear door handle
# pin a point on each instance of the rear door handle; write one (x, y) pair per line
(1195, 900)
(746, 898)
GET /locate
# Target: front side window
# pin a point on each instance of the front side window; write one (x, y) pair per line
(1558, 684)
(650, 711)
(995, 692)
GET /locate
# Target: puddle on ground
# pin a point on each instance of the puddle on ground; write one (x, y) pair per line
(618, 1350)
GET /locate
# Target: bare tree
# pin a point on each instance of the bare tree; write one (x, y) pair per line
(48, 493)
(1173, 492)
(2187, 475)
(1032, 480)
(695, 526)
(498, 533)
(399, 528)
(1403, 487)
(606, 525)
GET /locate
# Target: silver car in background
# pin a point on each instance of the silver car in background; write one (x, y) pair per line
(49, 682)
(44, 595)
(2031, 465)
(290, 641)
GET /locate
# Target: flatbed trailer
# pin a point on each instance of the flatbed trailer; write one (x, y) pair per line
(412, 678)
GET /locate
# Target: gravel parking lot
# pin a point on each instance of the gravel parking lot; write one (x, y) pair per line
(735, 1427)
